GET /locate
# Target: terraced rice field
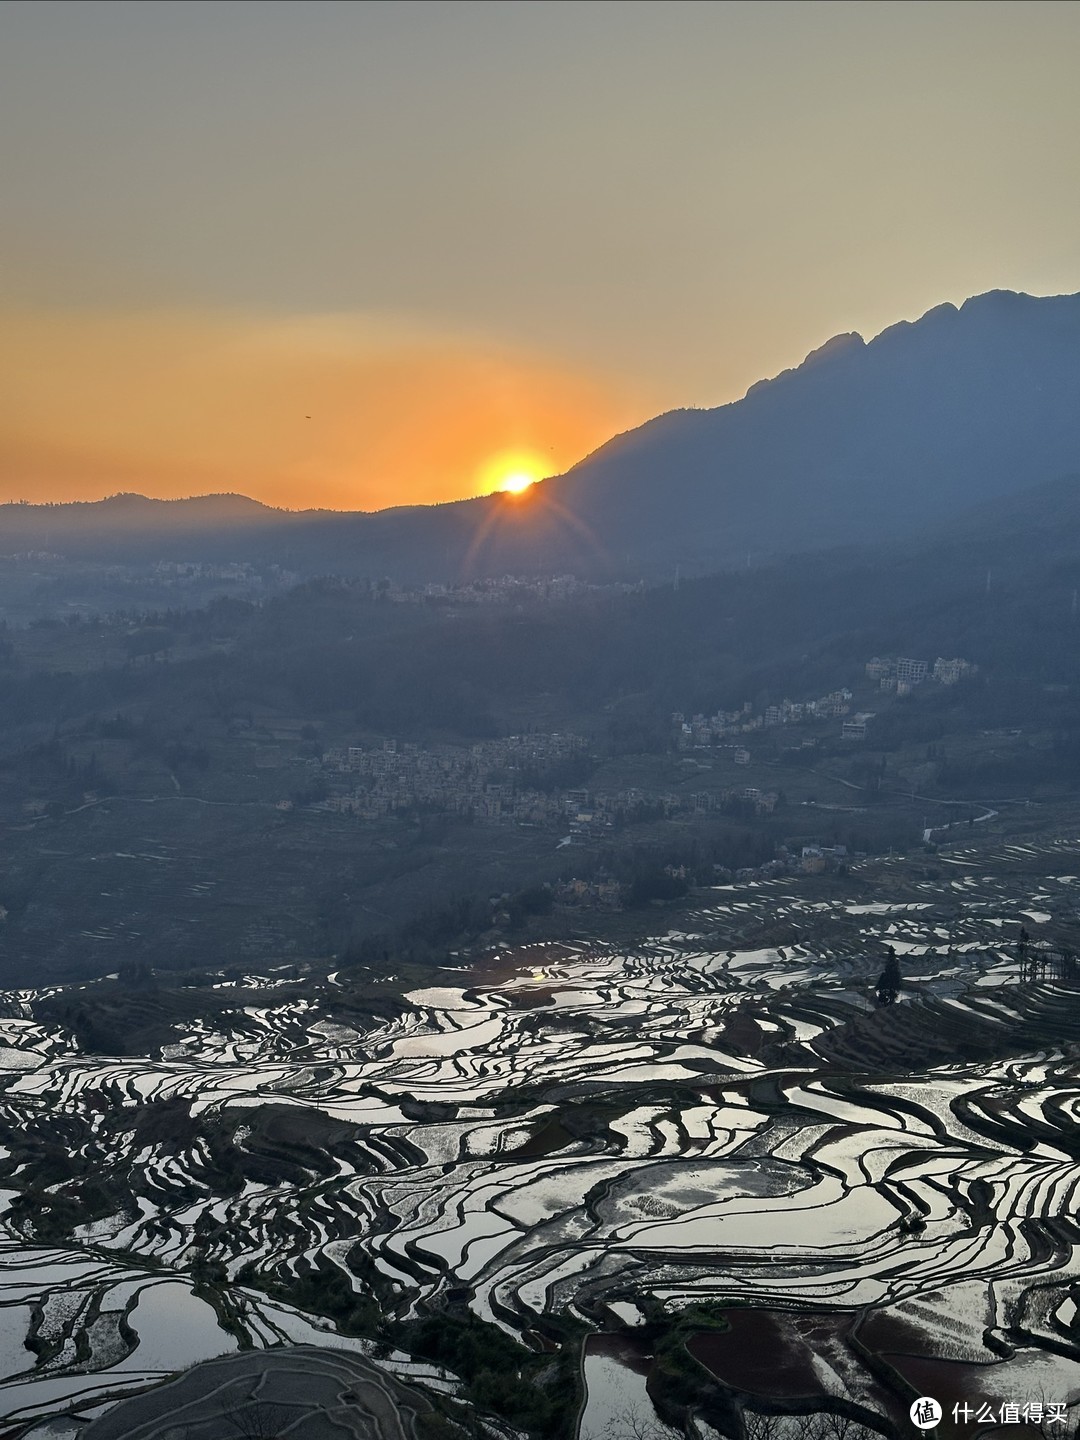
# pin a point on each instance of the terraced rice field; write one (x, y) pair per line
(603, 1135)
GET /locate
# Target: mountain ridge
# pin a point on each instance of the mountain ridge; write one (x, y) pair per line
(862, 440)
(990, 386)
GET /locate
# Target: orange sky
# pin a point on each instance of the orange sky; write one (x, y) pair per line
(169, 403)
(449, 232)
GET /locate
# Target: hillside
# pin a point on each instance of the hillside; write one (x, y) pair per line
(290, 779)
(860, 443)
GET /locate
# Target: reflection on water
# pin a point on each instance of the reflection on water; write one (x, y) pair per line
(176, 1329)
(672, 1122)
(617, 1404)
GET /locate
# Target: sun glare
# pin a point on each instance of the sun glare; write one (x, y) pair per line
(517, 482)
(511, 473)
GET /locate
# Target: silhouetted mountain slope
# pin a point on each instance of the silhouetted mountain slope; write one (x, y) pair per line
(125, 525)
(862, 442)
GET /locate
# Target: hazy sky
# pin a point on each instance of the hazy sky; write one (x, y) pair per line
(464, 237)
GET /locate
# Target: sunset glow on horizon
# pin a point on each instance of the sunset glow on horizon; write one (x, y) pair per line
(341, 256)
(517, 483)
(346, 412)
(513, 472)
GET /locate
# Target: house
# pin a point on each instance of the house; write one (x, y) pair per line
(913, 672)
(949, 672)
(812, 861)
(855, 728)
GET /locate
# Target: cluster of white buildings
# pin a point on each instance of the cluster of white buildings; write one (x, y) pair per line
(486, 780)
(501, 590)
(602, 893)
(900, 676)
(701, 730)
(897, 676)
(496, 781)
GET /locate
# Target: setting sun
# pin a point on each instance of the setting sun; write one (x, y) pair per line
(517, 482)
(512, 473)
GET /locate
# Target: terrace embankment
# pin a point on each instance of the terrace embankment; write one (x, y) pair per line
(924, 1029)
(680, 1126)
(309, 1393)
(793, 1360)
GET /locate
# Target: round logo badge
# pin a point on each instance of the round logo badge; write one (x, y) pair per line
(925, 1413)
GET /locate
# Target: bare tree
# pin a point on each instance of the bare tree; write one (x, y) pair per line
(762, 1426)
(824, 1425)
(630, 1424)
(251, 1419)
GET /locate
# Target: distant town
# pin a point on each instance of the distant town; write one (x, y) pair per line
(897, 677)
(520, 779)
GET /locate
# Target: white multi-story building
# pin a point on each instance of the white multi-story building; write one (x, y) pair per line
(911, 672)
(949, 672)
(855, 728)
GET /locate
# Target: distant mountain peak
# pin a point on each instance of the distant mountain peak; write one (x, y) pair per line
(1005, 301)
(838, 348)
(225, 501)
(832, 349)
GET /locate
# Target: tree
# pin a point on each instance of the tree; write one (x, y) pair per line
(890, 981)
(252, 1419)
(826, 1425)
(1023, 954)
(631, 1424)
